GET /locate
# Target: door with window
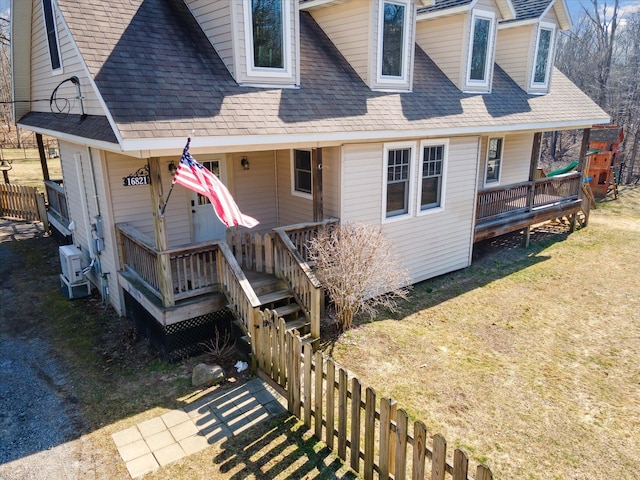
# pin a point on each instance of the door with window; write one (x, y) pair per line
(206, 224)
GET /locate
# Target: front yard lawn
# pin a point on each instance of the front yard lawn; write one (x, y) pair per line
(528, 360)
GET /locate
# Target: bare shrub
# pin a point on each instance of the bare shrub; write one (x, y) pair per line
(358, 268)
(221, 347)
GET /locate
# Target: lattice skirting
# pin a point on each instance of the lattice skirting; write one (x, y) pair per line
(179, 340)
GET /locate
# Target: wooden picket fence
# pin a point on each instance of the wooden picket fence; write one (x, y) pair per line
(376, 434)
(22, 203)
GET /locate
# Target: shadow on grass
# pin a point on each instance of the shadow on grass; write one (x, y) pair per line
(282, 448)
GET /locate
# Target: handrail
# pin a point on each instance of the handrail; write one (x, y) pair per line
(295, 253)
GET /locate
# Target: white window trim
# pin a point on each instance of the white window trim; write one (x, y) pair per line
(552, 46)
(266, 72)
(56, 71)
(387, 80)
(486, 15)
(486, 164)
(294, 192)
(412, 181)
(445, 161)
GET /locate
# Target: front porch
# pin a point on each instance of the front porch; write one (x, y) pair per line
(243, 274)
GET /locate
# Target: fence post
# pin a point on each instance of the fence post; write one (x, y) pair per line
(483, 473)
(385, 431)
(419, 450)
(330, 389)
(460, 465)
(393, 415)
(355, 424)
(342, 414)
(308, 351)
(295, 374)
(318, 395)
(369, 432)
(402, 432)
(439, 457)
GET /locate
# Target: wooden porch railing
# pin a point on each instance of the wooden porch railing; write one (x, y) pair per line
(371, 434)
(57, 200)
(526, 196)
(292, 266)
(252, 251)
(193, 268)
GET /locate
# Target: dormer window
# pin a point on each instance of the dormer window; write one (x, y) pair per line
(52, 34)
(480, 60)
(393, 44)
(543, 56)
(268, 46)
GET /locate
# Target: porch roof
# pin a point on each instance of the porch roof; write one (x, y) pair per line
(160, 77)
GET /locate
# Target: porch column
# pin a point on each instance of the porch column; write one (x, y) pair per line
(533, 170)
(162, 241)
(43, 157)
(583, 168)
(316, 168)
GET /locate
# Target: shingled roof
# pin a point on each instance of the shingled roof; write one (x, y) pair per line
(160, 78)
(443, 5)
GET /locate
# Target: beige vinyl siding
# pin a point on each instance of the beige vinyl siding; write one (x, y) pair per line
(254, 190)
(331, 181)
(488, 5)
(214, 18)
(444, 40)
(21, 68)
(291, 208)
(44, 81)
(428, 245)
(514, 54)
(348, 25)
(551, 16)
(241, 50)
(516, 158)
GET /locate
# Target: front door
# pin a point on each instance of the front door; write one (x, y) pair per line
(206, 224)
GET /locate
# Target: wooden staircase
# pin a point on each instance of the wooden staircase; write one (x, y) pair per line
(274, 295)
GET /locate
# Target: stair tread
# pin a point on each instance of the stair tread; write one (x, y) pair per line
(300, 322)
(274, 296)
(287, 309)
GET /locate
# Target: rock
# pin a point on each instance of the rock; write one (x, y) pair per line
(206, 375)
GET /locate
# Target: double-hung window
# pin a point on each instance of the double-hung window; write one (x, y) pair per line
(268, 46)
(543, 55)
(494, 161)
(398, 179)
(481, 49)
(52, 34)
(432, 168)
(302, 177)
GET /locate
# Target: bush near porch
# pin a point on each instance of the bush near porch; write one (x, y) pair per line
(528, 359)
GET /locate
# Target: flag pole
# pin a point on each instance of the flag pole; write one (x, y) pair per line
(173, 182)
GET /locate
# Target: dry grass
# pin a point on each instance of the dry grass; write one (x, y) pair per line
(528, 359)
(27, 169)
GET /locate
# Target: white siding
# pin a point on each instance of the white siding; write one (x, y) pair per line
(291, 208)
(331, 181)
(514, 54)
(44, 81)
(428, 245)
(444, 40)
(516, 158)
(348, 25)
(255, 189)
(214, 18)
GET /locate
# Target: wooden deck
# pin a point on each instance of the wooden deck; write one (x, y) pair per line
(515, 207)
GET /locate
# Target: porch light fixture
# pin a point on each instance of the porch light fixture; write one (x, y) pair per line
(172, 168)
(245, 163)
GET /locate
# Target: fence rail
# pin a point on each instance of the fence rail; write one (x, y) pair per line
(369, 433)
(21, 202)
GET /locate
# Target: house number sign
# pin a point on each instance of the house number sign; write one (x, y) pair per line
(140, 177)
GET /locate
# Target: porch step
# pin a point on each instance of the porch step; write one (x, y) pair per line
(298, 324)
(265, 285)
(274, 297)
(285, 310)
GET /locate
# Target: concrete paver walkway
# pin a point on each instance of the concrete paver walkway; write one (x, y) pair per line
(174, 435)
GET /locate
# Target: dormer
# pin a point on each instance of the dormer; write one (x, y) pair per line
(527, 44)
(258, 40)
(460, 37)
(376, 37)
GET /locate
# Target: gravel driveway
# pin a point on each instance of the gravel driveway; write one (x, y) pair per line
(39, 422)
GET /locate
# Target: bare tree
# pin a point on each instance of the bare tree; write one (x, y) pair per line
(358, 268)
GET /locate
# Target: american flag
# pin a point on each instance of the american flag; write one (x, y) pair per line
(192, 175)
